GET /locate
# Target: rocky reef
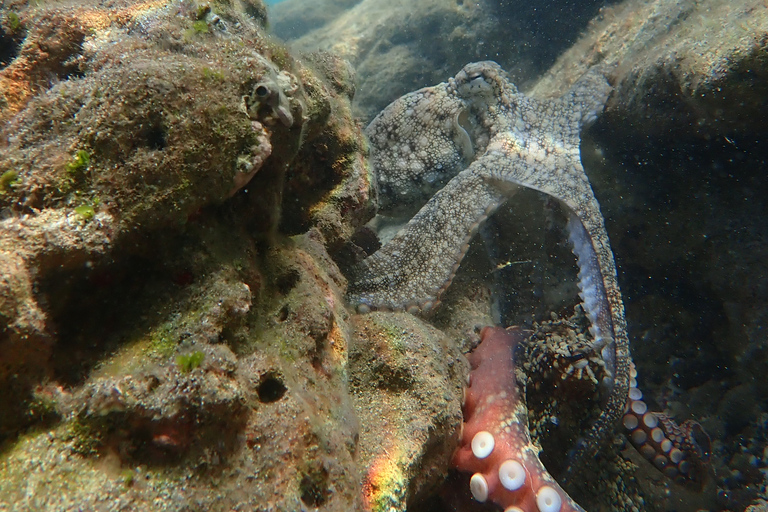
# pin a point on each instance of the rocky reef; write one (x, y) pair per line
(181, 198)
(401, 46)
(163, 330)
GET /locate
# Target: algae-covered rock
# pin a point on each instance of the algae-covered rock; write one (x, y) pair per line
(151, 120)
(406, 380)
(231, 391)
(164, 344)
(121, 123)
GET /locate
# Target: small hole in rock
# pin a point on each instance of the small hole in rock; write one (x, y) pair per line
(282, 315)
(367, 240)
(155, 137)
(9, 48)
(287, 281)
(313, 487)
(271, 389)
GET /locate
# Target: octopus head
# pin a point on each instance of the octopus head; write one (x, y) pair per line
(482, 81)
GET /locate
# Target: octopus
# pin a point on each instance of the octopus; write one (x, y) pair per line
(470, 144)
(447, 157)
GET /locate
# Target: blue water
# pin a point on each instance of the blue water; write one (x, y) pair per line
(272, 2)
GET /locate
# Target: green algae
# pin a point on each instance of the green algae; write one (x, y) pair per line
(128, 476)
(85, 438)
(79, 163)
(7, 180)
(188, 362)
(200, 27)
(86, 211)
(76, 168)
(213, 74)
(162, 341)
(14, 23)
(395, 336)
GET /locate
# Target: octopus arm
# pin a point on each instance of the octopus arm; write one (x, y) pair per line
(496, 446)
(555, 169)
(602, 303)
(414, 268)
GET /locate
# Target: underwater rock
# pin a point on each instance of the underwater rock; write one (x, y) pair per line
(760, 506)
(164, 341)
(687, 67)
(406, 379)
(159, 412)
(125, 126)
(30, 245)
(237, 398)
(402, 45)
(291, 19)
(702, 60)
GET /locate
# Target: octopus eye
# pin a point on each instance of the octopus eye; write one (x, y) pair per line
(262, 91)
(478, 82)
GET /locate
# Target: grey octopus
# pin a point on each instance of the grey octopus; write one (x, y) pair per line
(469, 144)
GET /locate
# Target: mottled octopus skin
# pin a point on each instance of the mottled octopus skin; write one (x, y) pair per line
(493, 404)
(469, 144)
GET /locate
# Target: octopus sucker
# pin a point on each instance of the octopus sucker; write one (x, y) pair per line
(680, 452)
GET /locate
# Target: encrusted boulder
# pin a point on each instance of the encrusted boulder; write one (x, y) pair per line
(126, 125)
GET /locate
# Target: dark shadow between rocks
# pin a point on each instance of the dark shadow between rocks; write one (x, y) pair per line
(89, 305)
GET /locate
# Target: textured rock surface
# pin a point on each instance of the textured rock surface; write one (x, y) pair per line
(177, 419)
(165, 344)
(102, 152)
(406, 380)
(400, 46)
(696, 67)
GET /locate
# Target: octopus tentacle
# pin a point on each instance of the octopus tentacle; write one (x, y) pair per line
(602, 302)
(496, 446)
(680, 451)
(417, 265)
